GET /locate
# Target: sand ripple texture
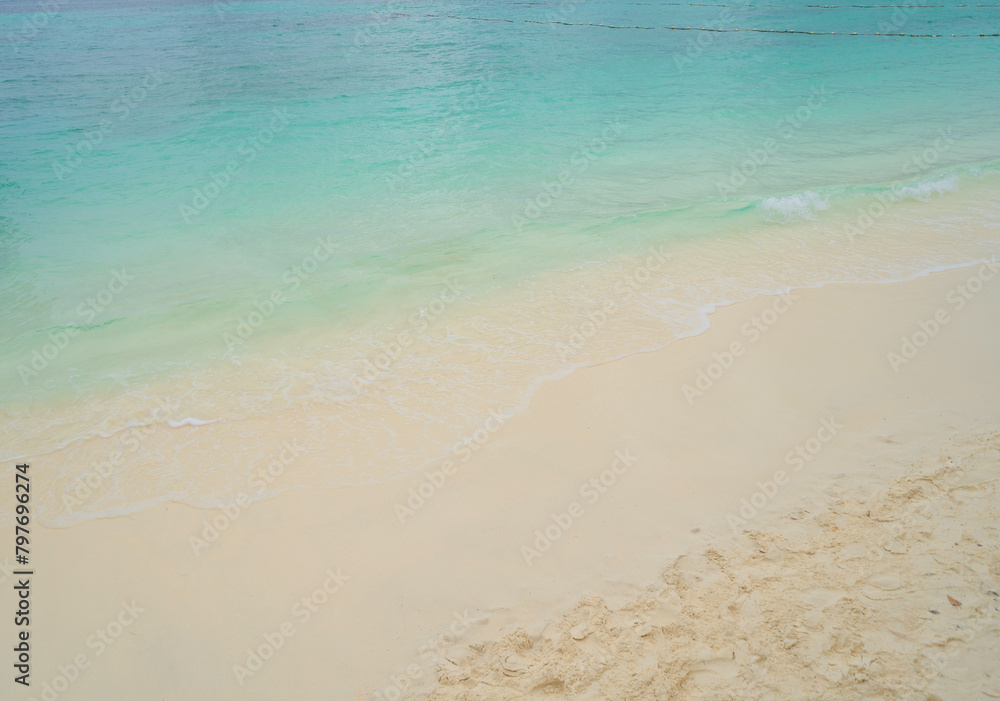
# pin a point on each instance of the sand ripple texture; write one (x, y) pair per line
(882, 593)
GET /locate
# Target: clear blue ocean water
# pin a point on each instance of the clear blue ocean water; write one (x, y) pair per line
(216, 220)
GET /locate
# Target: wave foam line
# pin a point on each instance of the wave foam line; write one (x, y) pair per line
(189, 421)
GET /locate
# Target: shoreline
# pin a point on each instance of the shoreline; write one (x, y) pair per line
(460, 559)
(162, 425)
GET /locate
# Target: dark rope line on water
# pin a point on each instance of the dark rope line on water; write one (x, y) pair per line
(787, 7)
(890, 6)
(686, 29)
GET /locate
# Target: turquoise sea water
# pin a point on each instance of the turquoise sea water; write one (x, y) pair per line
(234, 209)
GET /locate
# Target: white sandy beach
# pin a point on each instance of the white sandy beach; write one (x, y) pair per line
(667, 575)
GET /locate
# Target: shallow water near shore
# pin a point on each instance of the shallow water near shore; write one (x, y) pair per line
(235, 226)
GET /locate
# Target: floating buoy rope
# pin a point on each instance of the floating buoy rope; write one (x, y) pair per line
(684, 29)
(747, 4)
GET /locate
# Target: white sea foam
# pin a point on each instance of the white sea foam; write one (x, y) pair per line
(923, 189)
(189, 422)
(793, 208)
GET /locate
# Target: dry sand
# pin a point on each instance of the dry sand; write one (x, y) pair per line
(794, 609)
(889, 591)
